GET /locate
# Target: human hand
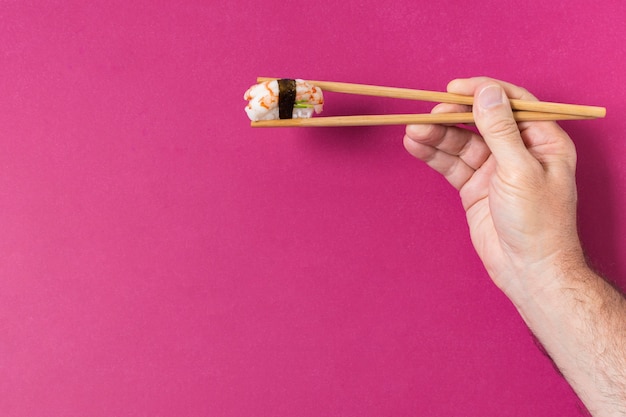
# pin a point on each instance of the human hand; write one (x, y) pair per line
(516, 182)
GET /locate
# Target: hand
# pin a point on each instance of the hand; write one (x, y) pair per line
(516, 183)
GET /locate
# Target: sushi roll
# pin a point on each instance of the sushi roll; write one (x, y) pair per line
(283, 99)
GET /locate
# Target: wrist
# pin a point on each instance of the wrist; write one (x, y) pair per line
(540, 281)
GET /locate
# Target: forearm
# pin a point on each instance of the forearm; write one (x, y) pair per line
(581, 322)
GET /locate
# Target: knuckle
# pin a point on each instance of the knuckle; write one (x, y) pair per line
(565, 150)
(525, 94)
(524, 181)
(504, 128)
(571, 155)
(419, 133)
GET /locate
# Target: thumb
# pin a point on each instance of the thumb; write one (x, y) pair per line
(494, 118)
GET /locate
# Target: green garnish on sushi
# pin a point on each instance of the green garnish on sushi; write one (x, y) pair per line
(302, 104)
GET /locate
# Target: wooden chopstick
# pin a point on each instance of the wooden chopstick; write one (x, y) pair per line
(404, 119)
(441, 97)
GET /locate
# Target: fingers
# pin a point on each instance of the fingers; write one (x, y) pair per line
(452, 140)
(457, 153)
(450, 108)
(540, 133)
(454, 152)
(467, 86)
(494, 118)
(451, 167)
(513, 144)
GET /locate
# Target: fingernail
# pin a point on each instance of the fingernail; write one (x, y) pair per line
(490, 97)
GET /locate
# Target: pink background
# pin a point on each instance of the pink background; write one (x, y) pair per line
(160, 257)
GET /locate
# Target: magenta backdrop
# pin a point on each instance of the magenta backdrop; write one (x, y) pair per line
(158, 257)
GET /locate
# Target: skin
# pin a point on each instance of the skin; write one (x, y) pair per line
(517, 185)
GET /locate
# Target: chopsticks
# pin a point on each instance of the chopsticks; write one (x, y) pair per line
(404, 119)
(526, 110)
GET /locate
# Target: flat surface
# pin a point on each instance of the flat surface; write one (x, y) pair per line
(160, 257)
